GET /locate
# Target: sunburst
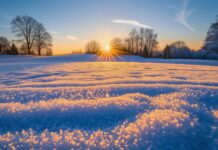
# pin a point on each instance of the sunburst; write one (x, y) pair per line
(109, 53)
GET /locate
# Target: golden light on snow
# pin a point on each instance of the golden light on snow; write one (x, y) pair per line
(155, 100)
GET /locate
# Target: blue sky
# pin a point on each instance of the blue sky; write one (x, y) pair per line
(74, 22)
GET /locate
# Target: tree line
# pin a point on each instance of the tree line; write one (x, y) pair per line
(33, 38)
(7, 48)
(209, 49)
(144, 42)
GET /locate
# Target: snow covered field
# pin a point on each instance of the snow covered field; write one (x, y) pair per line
(79, 102)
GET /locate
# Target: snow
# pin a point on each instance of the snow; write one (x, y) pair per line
(81, 102)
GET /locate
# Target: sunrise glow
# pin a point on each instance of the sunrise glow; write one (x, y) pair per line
(108, 74)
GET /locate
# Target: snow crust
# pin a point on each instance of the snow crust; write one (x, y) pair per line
(78, 102)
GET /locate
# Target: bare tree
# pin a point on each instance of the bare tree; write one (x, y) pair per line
(117, 45)
(43, 40)
(92, 47)
(23, 49)
(127, 44)
(49, 52)
(150, 41)
(25, 27)
(142, 42)
(4, 45)
(137, 42)
(132, 36)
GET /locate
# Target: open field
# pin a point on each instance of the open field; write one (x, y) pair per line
(134, 103)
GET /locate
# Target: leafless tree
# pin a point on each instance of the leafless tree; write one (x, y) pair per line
(132, 36)
(127, 44)
(137, 42)
(4, 45)
(117, 45)
(25, 27)
(149, 41)
(23, 49)
(43, 40)
(49, 52)
(92, 47)
(142, 42)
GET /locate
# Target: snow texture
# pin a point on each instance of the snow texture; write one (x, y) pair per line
(79, 102)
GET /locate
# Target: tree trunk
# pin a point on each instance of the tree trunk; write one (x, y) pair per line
(39, 51)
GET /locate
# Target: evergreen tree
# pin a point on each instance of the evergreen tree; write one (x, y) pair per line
(166, 52)
(179, 49)
(4, 45)
(211, 41)
(13, 50)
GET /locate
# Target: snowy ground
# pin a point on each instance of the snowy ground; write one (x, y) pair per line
(75, 102)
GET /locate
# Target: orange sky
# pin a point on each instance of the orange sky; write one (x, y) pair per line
(68, 46)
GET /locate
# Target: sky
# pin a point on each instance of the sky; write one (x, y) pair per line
(72, 23)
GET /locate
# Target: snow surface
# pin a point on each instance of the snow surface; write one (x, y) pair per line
(81, 102)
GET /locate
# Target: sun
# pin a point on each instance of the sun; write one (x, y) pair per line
(107, 48)
(108, 53)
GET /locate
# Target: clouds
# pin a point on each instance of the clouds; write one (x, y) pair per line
(72, 37)
(53, 32)
(131, 22)
(183, 15)
(58, 35)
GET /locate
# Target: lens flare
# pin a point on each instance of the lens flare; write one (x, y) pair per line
(109, 53)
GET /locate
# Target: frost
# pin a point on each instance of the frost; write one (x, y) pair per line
(73, 102)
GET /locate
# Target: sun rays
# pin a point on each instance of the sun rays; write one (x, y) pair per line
(110, 54)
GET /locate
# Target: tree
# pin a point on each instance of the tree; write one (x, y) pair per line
(166, 52)
(49, 52)
(150, 40)
(211, 41)
(179, 49)
(179, 44)
(137, 40)
(142, 42)
(92, 47)
(43, 40)
(127, 44)
(13, 50)
(145, 51)
(117, 46)
(4, 45)
(25, 27)
(23, 49)
(132, 36)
